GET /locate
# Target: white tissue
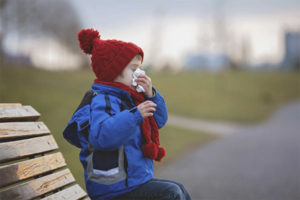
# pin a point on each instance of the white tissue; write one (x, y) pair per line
(135, 75)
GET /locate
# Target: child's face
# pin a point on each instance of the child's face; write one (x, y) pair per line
(127, 74)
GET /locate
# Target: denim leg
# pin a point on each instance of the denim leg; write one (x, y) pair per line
(185, 192)
(156, 189)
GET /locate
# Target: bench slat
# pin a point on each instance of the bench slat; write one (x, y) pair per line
(73, 192)
(10, 105)
(19, 171)
(13, 130)
(31, 178)
(17, 113)
(38, 187)
(23, 148)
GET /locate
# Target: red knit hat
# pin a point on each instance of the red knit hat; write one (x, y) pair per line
(109, 57)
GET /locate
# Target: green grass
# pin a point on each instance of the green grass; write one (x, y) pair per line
(243, 97)
(179, 142)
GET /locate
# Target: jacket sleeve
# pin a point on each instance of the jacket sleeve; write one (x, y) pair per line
(161, 113)
(110, 128)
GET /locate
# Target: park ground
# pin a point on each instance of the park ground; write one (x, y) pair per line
(237, 97)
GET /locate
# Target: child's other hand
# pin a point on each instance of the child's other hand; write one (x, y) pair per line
(147, 108)
(146, 83)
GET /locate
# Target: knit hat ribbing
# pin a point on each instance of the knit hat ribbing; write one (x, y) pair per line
(109, 57)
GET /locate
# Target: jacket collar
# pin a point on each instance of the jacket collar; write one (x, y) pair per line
(106, 89)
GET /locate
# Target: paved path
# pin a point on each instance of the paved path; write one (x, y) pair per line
(255, 163)
(216, 127)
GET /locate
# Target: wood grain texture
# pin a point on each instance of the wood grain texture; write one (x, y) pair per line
(14, 130)
(16, 113)
(74, 192)
(10, 105)
(22, 148)
(19, 171)
(21, 137)
(38, 187)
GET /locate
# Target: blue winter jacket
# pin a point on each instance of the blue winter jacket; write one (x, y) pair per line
(109, 134)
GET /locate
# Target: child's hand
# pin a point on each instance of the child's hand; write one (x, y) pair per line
(146, 83)
(146, 108)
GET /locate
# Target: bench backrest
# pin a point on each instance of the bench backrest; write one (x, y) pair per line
(31, 167)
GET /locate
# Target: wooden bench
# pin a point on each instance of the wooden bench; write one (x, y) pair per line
(31, 167)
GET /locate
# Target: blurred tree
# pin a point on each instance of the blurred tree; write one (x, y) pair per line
(3, 26)
(55, 19)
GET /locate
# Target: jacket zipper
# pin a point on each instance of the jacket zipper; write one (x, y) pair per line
(126, 168)
(124, 106)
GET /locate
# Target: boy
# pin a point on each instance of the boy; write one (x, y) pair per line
(117, 128)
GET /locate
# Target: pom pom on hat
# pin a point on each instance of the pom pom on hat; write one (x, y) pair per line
(86, 38)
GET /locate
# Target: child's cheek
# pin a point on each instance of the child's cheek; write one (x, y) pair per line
(131, 75)
(129, 78)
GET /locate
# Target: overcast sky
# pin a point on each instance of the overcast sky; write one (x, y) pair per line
(169, 30)
(174, 28)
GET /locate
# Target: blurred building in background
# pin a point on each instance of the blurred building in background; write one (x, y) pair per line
(18, 59)
(212, 62)
(291, 58)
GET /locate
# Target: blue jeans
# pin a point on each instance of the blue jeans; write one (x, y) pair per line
(157, 189)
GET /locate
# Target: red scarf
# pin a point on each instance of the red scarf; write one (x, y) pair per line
(151, 148)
